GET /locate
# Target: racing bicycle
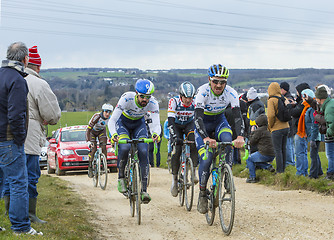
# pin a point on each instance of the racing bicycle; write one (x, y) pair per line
(186, 177)
(133, 175)
(221, 188)
(100, 169)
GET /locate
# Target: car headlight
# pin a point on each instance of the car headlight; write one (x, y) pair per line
(111, 150)
(66, 152)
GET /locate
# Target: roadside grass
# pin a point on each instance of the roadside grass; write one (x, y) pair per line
(65, 211)
(289, 180)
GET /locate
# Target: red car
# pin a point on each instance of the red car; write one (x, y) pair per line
(68, 150)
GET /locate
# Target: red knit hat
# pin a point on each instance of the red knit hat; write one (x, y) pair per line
(34, 57)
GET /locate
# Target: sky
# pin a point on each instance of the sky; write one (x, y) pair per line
(172, 34)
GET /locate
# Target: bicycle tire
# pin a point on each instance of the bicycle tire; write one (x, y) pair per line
(137, 188)
(129, 176)
(226, 199)
(95, 171)
(103, 172)
(180, 187)
(210, 215)
(189, 183)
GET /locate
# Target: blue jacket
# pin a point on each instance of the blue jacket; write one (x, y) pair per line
(311, 128)
(13, 105)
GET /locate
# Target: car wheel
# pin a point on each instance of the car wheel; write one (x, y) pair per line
(58, 171)
(48, 168)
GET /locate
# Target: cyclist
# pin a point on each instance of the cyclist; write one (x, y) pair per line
(97, 129)
(128, 121)
(210, 123)
(181, 122)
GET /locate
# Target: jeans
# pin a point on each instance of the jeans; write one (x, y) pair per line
(301, 156)
(315, 169)
(330, 156)
(290, 151)
(13, 166)
(258, 160)
(34, 173)
(279, 138)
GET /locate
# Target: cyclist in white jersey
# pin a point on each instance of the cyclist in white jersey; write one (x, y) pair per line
(127, 122)
(181, 123)
(210, 123)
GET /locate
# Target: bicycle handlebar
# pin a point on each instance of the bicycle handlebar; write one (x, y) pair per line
(205, 157)
(141, 140)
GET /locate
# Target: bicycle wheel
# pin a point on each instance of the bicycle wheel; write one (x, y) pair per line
(95, 171)
(210, 215)
(180, 186)
(226, 199)
(103, 172)
(188, 180)
(130, 184)
(137, 190)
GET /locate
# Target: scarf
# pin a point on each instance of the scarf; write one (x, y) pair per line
(301, 124)
(18, 66)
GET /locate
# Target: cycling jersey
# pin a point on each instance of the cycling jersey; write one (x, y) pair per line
(128, 107)
(98, 122)
(182, 114)
(213, 104)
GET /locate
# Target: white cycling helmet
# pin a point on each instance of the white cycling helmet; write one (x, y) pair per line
(107, 107)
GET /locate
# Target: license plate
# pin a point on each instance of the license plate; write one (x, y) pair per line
(85, 158)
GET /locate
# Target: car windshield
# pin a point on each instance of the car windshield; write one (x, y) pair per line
(76, 135)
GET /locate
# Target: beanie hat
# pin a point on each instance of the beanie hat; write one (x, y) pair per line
(285, 86)
(252, 93)
(34, 57)
(327, 88)
(308, 92)
(321, 93)
(301, 87)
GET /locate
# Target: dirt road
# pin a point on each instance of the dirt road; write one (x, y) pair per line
(261, 212)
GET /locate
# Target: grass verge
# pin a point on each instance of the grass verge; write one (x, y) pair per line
(64, 210)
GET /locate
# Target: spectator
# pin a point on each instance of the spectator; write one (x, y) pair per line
(255, 108)
(243, 101)
(230, 119)
(296, 110)
(313, 135)
(260, 137)
(43, 110)
(290, 149)
(13, 132)
(279, 130)
(327, 107)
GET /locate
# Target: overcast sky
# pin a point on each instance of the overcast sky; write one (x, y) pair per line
(166, 34)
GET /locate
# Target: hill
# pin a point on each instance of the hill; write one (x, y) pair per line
(88, 88)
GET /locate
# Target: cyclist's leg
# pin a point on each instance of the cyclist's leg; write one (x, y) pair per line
(178, 150)
(223, 133)
(103, 142)
(91, 154)
(123, 149)
(140, 131)
(189, 132)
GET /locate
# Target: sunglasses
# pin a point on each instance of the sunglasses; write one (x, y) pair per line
(145, 96)
(107, 111)
(215, 81)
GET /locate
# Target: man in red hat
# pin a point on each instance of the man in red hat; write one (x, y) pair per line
(43, 110)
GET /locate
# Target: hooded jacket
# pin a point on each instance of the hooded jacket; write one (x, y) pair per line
(328, 109)
(274, 123)
(43, 106)
(261, 137)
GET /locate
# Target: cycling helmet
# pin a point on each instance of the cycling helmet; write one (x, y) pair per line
(186, 89)
(218, 70)
(107, 107)
(144, 86)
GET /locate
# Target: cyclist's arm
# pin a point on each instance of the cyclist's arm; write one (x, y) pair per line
(199, 115)
(155, 126)
(113, 119)
(91, 124)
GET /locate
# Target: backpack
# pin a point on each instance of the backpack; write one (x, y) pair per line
(283, 113)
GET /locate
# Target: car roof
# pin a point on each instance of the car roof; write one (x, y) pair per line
(78, 127)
